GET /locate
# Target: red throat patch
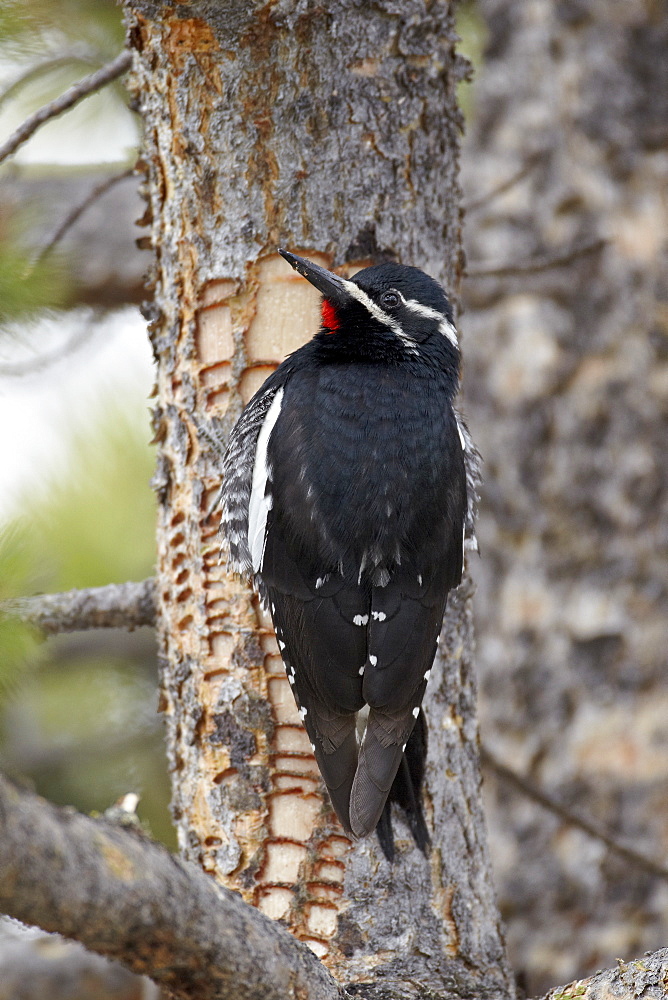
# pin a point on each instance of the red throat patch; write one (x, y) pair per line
(329, 318)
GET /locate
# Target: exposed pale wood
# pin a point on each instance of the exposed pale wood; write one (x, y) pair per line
(317, 130)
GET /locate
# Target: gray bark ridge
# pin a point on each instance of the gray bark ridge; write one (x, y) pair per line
(333, 129)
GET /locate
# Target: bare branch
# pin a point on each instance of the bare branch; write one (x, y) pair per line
(37, 70)
(519, 175)
(532, 791)
(126, 897)
(95, 81)
(646, 977)
(537, 264)
(106, 269)
(39, 363)
(118, 605)
(78, 210)
(35, 964)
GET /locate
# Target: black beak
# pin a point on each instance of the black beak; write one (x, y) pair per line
(331, 285)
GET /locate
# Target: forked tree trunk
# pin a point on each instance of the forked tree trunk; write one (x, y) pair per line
(332, 130)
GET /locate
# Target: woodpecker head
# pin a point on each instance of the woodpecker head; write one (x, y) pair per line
(394, 301)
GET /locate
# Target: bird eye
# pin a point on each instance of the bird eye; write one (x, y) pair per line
(390, 299)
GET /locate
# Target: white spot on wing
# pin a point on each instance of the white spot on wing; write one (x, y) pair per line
(281, 644)
(260, 502)
(361, 670)
(427, 674)
(373, 660)
(380, 616)
(416, 711)
(303, 713)
(360, 619)
(361, 720)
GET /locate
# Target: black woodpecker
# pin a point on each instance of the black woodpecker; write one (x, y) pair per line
(348, 497)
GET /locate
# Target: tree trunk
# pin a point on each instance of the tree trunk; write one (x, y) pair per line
(567, 391)
(332, 131)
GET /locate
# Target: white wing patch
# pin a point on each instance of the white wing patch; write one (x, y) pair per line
(472, 462)
(260, 500)
(461, 433)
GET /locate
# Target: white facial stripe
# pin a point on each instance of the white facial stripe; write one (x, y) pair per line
(260, 505)
(357, 293)
(449, 332)
(368, 303)
(422, 310)
(445, 327)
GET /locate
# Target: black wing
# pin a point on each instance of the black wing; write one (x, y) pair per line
(357, 612)
(323, 650)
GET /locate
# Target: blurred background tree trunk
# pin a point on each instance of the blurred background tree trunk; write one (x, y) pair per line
(566, 384)
(334, 132)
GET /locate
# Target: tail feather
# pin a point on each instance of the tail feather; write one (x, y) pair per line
(338, 766)
(377, 766)
(405, 792)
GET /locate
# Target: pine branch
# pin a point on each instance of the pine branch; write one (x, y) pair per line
(532, 791)
(126, 897)
(88, 85)
(118, 605)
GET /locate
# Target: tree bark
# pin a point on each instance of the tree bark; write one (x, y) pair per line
(35, 966)
(332, 131)
(126, 897)
(118, 605)
(567, 391)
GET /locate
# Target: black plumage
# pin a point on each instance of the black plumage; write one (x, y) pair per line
(349, 488)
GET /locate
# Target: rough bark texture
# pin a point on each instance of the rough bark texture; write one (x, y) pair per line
(567, 388)
(331, 129)
(39, 966)
(118, 605)
(645, 978)
(126, 897)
